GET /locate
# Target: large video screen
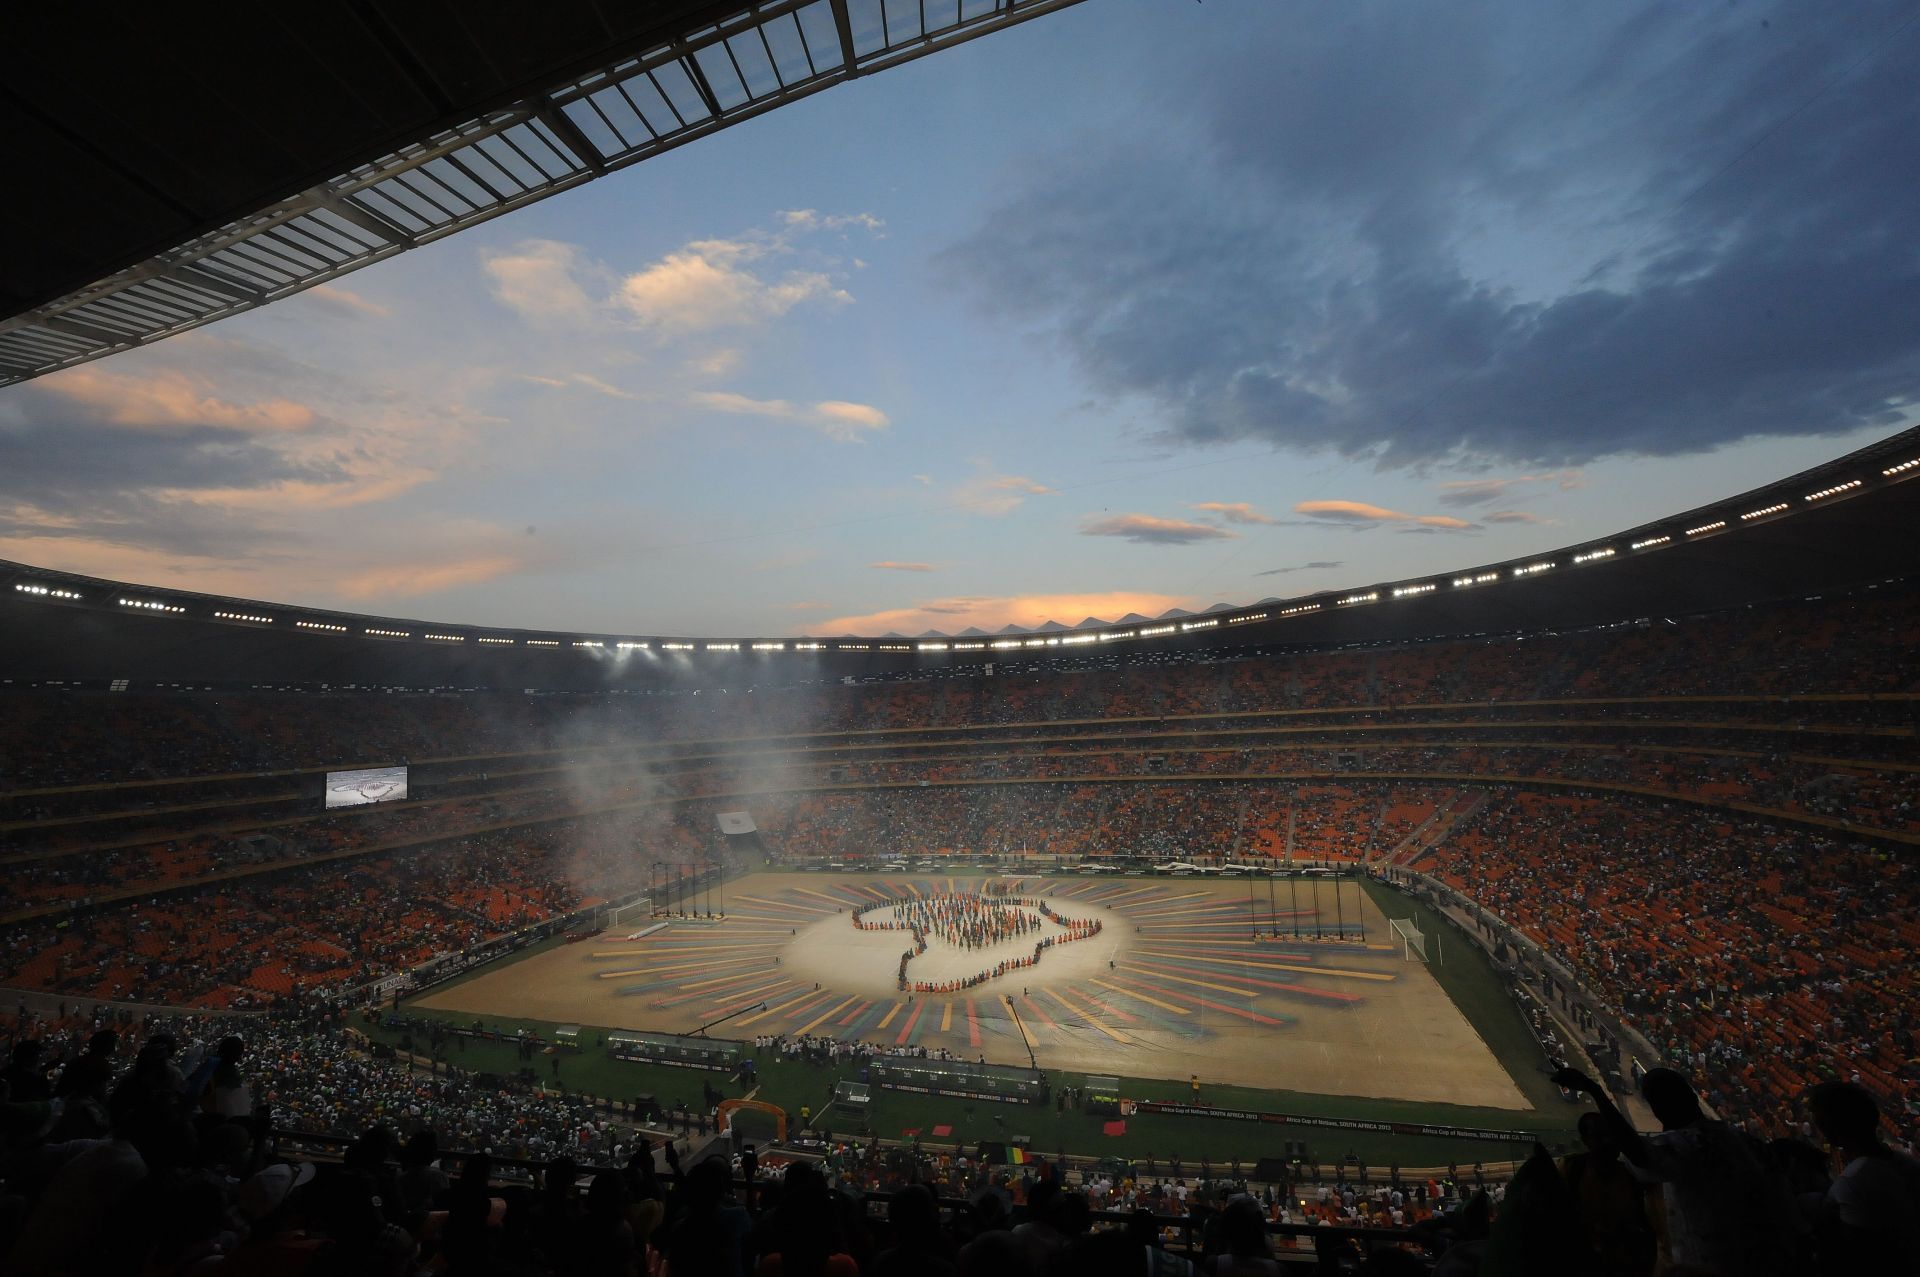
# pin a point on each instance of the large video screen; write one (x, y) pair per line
(370, 785)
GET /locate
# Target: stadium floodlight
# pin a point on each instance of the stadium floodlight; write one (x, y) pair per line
(323, 626)
(969, 647)
(1404, 591)
(1297, 609)
(629, 645)
(1533, 569)
(723, 647)
(452, 638)
(1902, 468)
(243, 616)
(536, 642)
(1073, 639)
(497, 642)
(1707, 527)
(1370, 596)
(1153, 630)
(1484, 578)
(809, 647)
(388, 633)
(588, 643)
(677, 647)
(1650, 542)
(1242, 620)
(48, 591)
(1764, 511)
(1593, 555)
(1834, 491)
(151, 605)
(769, 647)
(858, 647)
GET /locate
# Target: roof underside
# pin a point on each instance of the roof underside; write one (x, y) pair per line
(170, 174)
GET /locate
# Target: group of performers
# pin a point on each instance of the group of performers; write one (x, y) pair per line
(971, 921)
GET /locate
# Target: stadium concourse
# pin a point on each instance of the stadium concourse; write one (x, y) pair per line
(1704, 826)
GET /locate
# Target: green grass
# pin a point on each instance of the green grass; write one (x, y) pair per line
(1465, 975)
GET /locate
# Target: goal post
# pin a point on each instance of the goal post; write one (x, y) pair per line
(640, 909)
(1412, 939)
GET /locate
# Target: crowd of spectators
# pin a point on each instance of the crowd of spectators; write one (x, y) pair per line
(183, 1145)
(1761, 957)
(1860, 644)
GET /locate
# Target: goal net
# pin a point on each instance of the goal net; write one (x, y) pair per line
(1412, 939)
(635, 911)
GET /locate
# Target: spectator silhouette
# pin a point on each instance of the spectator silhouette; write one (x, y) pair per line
(1607, 1197)
(1726, 1210)
(1869, 1216)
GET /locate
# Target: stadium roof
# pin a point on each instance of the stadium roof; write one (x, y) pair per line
(1840, 525)
(168, 173)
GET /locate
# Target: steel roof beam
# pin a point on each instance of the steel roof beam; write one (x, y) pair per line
(286, 248)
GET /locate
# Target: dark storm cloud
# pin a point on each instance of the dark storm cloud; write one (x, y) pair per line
(1519, 233)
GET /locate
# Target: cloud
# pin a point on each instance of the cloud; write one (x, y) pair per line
(845, 421)
(213, 449)
(172, 400)
(706, 285)
(344, 301)
(1678, 246)
(1467, 492)
(1317, 566)
(892, 565)
(990, 612)
(835, 418)
(1234, 511)
(538, 279)
(808, 219)
(1146, 529)
(1361, 512)
(600, 387)
(994, 495)
(716, 363)
(925, 480)
(409, 580)
(1516, 516)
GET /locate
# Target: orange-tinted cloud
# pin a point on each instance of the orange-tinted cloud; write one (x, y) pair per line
(405, 580)
(1234, 512)
(172, 401)
(1363, 512)
(990, 612)
(1147, 529)
(894, 565)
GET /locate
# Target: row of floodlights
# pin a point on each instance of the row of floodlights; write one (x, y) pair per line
(1596, 554)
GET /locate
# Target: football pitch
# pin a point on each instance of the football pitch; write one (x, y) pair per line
(1284, 996)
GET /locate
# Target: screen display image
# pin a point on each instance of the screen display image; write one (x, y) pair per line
(371, 785)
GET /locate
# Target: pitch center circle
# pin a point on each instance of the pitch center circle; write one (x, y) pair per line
(983, 935)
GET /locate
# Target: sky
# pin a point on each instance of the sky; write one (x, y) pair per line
(1137, 306)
